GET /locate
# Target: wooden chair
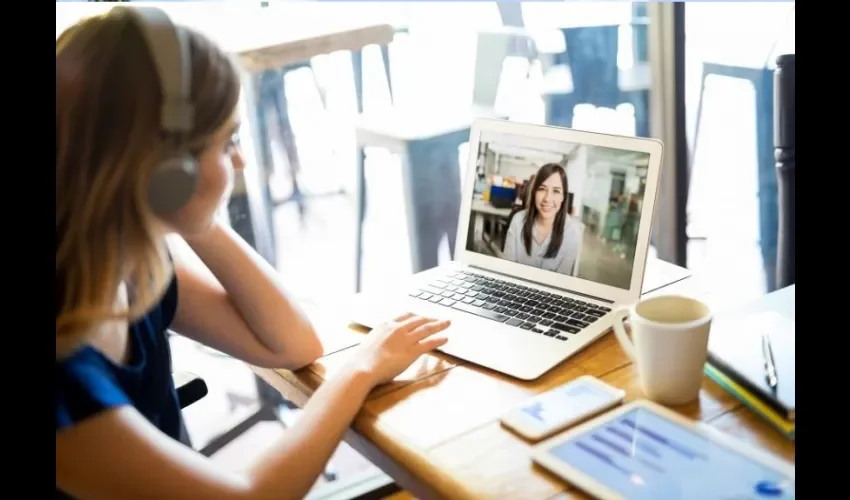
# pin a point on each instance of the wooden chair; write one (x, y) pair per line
(587, 73)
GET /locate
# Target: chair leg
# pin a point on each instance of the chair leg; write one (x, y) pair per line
(264, 414)
(323, 92)
(360, 200)
(432, 213)
(360, 188)
(641, 105)
(560, 109)
(287, 141)
(385, 56)
(357, 73)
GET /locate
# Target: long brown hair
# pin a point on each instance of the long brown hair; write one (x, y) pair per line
(108, 143)
(531, 210)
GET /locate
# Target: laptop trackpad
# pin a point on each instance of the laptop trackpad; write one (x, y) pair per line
(372, 310)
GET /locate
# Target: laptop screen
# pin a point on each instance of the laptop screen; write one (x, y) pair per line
(563, 207)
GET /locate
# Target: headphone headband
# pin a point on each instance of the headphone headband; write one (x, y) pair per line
(169, 49)
(173, 184)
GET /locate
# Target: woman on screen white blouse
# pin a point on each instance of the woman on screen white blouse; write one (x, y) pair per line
(544, 235)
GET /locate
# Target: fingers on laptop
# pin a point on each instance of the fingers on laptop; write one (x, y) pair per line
(424, 337)
(421, 330)
(410, 321)
(404, 317)
(425, 330)
(432, 343)
(413, 322)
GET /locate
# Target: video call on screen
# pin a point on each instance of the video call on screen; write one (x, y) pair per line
(587, 200)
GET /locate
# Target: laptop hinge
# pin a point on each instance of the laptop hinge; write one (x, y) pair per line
(567, 290)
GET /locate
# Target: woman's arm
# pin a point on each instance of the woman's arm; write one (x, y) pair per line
(145, 463)
(242, 309)
(148, 464)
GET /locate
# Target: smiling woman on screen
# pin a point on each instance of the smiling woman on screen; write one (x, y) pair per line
(544, 235)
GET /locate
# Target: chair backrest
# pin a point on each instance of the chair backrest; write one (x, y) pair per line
(492, 48)
(592, 58)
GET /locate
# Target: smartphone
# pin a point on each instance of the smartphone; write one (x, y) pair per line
(562, 407)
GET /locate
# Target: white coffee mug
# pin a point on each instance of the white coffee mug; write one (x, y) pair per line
(669, 345)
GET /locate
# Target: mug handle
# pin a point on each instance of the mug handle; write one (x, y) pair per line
(620, 331)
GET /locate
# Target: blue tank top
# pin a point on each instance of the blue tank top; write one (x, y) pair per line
(88, 383)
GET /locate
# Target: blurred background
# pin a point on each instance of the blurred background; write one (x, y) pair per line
(330, 135)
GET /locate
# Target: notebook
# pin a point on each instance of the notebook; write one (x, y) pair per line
(735, 349)
(768, 413)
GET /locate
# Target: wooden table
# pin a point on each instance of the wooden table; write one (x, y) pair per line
(435, 429)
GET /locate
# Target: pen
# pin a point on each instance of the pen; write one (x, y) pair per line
(769, 364)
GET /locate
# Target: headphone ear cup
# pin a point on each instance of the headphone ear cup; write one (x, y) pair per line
(173, 184)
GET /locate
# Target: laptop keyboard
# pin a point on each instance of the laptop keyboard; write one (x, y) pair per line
(544, 313)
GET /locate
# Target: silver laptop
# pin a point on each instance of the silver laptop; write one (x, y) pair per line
(532, 285)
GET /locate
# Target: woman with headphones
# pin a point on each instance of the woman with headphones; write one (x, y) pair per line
(146, 124)
(544, 235)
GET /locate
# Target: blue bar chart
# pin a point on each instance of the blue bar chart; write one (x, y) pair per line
(644, 456)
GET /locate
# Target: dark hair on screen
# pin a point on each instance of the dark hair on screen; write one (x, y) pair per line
(557, 238)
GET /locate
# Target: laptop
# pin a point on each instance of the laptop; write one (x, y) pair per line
(520, 305)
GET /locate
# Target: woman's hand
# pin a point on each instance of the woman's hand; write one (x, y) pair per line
(392, 347)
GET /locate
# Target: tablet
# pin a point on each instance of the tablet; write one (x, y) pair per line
(643, 451)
